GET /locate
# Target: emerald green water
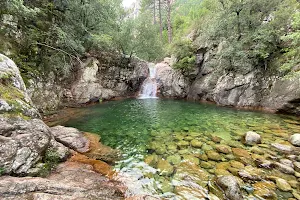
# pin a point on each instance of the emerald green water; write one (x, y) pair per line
(157, 129)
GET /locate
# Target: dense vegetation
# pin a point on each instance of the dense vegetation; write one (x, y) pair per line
(54, 35)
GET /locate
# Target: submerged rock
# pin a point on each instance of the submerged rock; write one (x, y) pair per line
(283, 185)
(251, 138)
(295, 140)
(165, 168)
(230, 187)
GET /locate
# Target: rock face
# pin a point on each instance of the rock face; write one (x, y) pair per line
(171, 83)
(230, 186)
(71, 181)
(24, 140)
(93, 80)
(248, 88)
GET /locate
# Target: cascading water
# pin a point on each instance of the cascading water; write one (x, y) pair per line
(149, 87)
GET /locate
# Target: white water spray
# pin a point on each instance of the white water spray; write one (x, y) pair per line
(149, 87)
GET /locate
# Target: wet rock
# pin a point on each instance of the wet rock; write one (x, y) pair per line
(297, 166)
(265, 189)
(230, 187)
(206, 147)
(71, 181)
(287, 162)
(283, 185)
(240, 153)
(223, 149)
(295, 140)
(206, 165)
(222, 172)
(183, 143)
(216, 139)
(151, 160)
(71, 137)
(296, 195)
(257, 150)
(250, 173)
(294, 183)
(174, 159)
(196, 143)
(237, 164)
(165, 168)
(203, 157)
(282, 148)
(161, 149)
(232, 143)
(212, 155)
(284, 168)
(251, 138)
(192, 159)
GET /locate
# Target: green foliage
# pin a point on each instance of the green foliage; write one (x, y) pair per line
(185, 54)
(2, 171)
(291, 57)
(51, 160)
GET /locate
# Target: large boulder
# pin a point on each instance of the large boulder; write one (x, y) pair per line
(171, 83)
(24, 138)
(230, 187)
(71, 137)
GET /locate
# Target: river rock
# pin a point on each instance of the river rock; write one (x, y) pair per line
(297, 166)
(251, 138)
(151, 160)
(196, 143)
(283, 148)
(240, 152)
(287, 162)
(284, 168)
(192, 159)
(223, 148)
(174, 159)
(295, 139)
(166, 169)
(230, 187)
(71, 137)
(265, 189)
(283, 185)
(212, 155)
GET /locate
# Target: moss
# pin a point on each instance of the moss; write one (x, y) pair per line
(10, 93)
(2, 171)
(51, 160)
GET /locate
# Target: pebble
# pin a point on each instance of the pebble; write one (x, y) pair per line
(283, 185)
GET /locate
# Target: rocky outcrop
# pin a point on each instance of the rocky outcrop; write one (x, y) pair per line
(24, 139)
(247, 88)
(71, 181)
(91, 81)
(171, 83)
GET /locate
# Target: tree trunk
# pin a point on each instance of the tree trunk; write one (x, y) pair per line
(160, 19)
(154, 12)
(169, 21)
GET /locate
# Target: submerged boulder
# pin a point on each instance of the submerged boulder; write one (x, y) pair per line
(230, 187)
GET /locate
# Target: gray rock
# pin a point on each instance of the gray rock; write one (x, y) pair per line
(284, 168)
(283, 148)
(171, 83)
(251, 138)
(295, 140)
(22, 143)
(71, 181)
(297, 166)
(230, 187)
(71, 137)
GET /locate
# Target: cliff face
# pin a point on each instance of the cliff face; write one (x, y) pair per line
(250, 88)
(92, 81)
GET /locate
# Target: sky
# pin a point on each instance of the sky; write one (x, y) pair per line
(127, 3)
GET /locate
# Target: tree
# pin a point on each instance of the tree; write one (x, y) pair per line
(169, 9)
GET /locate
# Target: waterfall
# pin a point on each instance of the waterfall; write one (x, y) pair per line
(149, 87)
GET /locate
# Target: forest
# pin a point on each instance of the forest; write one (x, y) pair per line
(43, 35)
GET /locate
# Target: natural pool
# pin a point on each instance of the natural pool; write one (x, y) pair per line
(176, 149)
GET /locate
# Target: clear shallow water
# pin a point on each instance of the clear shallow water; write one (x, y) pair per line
(182, 134)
